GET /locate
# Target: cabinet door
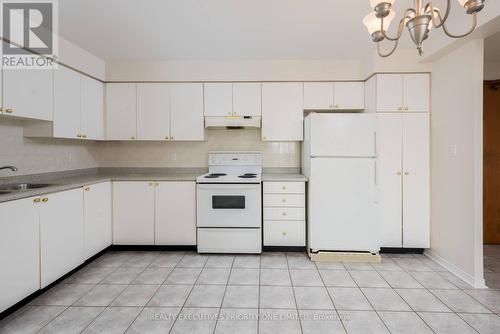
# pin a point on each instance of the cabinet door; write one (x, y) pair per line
(389, 169)
(121, 111)
(389, 92)
(349, 96)
(218, 99)
(61, 234)
(318, 95)
(19, 251)
(282, 111)
(416, 92)
(153, 111)
(92, 108)
(28, 93)
(186, 112)
(97, 222)
(247, 99)
(133, 213)
(416, 184)
(66, 103)
(175, 213)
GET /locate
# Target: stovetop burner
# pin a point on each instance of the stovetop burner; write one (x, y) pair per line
(214, 175)
(248, 176)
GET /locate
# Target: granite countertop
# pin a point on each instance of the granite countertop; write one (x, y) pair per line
(60, 181)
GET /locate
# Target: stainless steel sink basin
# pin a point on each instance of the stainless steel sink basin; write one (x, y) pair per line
(6, 188)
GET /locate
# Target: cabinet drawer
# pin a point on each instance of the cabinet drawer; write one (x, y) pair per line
(284, 214)
(284, 187)
(284, 233)
(284, 200)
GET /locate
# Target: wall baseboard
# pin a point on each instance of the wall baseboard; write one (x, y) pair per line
(466, 277)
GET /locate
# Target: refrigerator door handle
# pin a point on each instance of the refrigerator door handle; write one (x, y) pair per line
(375, 141)
(375, 174)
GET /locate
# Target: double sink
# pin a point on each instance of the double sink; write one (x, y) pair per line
(17, 187)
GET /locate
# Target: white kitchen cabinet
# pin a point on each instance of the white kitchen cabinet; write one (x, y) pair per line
(153, 111)
(403, 177)
(67, 98)
(1, 74)
(91, 108)
(28, 93)
(175, 213)
(247, 99)
(121, 111)
(61, 234)
(186, 112)
(349, 96)
(97, 218)
(19, 251)
(416, 181)
(284, 214)
(318, 95)
(282, 111)
(218, 99)
(133, 213)
(403, 92)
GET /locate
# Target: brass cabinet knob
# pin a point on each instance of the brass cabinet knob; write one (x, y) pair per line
(84, 136)
(331, 106)
(132, 137)
(157, 184)
(407, 108)
(150, 184)
(284, 200)
(398, 173)
(79, 135)
(1, 110)
(264, 137)
(87, 188)
(36, 200)
(284, 213)
(167, 137)
(336, 106)
(284, 188)
(172, 138)
(400, 108)
(9, 111)
(284, 233)
(45, 199)
(407, 173)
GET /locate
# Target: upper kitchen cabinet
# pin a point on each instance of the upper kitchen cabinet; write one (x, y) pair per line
(402, 92)
(78, 108)
(334, 96)
(121, 111)
(247, 99)
(218, 99)
(282, 111)
(232, 99)
(92, 109)
(186, 112)
(28, 93)
(153, 111)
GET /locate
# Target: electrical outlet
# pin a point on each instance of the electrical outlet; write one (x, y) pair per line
(172, 156)
(453, 150)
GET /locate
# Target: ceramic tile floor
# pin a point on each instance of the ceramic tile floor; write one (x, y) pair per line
(183, 292)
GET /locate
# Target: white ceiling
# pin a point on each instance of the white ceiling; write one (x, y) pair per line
(492, 49)
(217, 29)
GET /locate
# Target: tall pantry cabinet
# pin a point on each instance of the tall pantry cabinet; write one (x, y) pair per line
(402, 104)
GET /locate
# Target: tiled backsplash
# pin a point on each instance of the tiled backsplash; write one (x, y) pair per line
(195, 154)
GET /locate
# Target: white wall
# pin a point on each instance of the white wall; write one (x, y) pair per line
(456, 161)
(492, 71)
(80, 59)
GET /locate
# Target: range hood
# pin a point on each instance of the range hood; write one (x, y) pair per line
(232, 121)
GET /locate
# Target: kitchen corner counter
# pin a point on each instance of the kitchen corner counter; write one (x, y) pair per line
(61, 181)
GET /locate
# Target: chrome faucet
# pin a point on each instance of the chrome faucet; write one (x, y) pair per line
(12, 168)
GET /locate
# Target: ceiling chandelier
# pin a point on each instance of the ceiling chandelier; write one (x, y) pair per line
(419, 20)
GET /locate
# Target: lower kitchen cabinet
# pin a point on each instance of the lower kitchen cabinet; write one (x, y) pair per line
(133, 213)
(175, 213)
(61, 234)
(149, 213)
(284, 214)
(97, 218)
(19, 251)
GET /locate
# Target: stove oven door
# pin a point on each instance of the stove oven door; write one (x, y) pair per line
(229, 205)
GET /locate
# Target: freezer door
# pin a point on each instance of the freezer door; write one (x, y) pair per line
(342, 135)
(342, 208)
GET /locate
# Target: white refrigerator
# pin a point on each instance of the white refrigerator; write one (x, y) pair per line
(339, 158)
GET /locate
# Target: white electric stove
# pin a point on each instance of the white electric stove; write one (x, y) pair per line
(229, 204)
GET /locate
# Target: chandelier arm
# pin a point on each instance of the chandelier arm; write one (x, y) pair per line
(429, 9)
(398, 34)
(387, 54)
(474, 25)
